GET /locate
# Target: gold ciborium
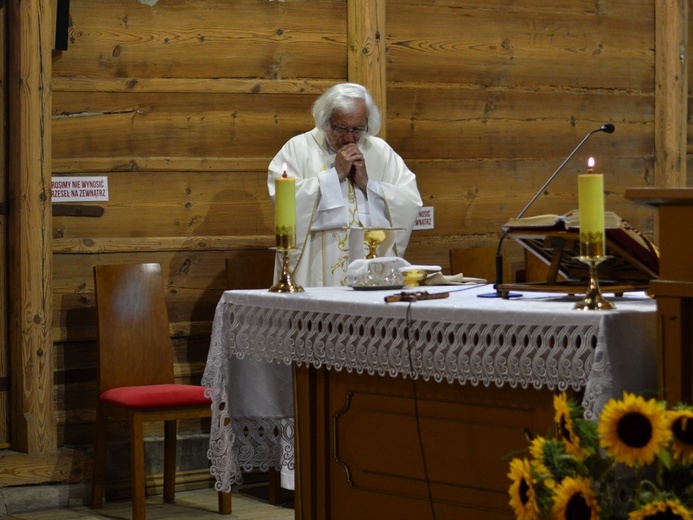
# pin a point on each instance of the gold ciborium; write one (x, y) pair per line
(592, 253)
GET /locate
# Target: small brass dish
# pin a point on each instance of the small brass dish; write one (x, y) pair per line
(415, 275)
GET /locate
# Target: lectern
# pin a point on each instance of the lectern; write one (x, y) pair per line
(673, 289)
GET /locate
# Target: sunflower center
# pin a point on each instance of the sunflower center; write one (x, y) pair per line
(577, 508)
(524, 492)
(666, 515)
(683, 430)
(634, 430)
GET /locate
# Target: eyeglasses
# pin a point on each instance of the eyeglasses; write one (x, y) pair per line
(343, 130)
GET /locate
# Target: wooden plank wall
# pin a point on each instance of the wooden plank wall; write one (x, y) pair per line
(183, 104)
(156, 99)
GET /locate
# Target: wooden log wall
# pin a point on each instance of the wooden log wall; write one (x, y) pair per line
(182, 105)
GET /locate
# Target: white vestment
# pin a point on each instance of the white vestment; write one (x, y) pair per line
(329, 213)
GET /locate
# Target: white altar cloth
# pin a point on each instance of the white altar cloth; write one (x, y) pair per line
(537, 341)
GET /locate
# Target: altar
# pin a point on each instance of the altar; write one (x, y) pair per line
(408, 409)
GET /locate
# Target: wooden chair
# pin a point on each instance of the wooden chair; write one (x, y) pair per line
(477, 262)
(250, 269)
(254, 269)
(135, 376)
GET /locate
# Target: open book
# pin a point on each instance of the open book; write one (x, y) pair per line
(622, 240)
(567, 221)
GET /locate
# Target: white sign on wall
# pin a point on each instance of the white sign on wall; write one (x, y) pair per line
(425, 218)
(79, 189)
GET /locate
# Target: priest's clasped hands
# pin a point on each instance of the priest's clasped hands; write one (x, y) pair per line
(350, 163)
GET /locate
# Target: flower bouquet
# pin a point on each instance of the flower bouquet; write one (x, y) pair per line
(635, 463)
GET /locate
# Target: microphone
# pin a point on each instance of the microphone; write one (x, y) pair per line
(607, 128)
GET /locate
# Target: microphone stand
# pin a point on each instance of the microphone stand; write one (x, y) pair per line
(607, 128)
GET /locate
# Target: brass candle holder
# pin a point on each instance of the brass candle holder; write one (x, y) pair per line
(285, 283)
(592, 253)
(286, 242)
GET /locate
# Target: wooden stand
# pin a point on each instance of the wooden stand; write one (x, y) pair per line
(674, 289)
(560, 250)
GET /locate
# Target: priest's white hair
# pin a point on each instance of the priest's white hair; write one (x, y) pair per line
(341, 97)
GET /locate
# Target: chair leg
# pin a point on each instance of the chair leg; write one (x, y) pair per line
(139, 490)
(275, 487)
(170, 431)
(99, 468)
(225, 503)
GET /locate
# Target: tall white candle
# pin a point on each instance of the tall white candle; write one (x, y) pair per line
(285, 210)
(591, 206)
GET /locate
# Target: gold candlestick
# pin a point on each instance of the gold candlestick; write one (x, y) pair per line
(592, 253)
(594, 301)
(285, 283)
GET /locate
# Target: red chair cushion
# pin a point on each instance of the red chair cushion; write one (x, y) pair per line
(156, 396)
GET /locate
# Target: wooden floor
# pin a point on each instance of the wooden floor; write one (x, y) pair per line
(248, 504)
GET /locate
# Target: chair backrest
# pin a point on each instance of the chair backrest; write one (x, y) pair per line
(251, 269)
(477, 262)
(134, 340)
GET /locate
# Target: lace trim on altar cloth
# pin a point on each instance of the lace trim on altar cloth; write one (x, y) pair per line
(523, 354)
(258, 443)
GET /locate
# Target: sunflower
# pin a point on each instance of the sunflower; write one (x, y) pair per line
(575, 499)
(681, 425)
(550, 462)
(536, 449)
(633, 430)
(661, 510)
(566, 413)
(522, 498)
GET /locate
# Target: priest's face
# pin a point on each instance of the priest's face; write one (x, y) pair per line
(348, 126)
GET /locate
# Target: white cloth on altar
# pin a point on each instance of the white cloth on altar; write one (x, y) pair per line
(329, 212)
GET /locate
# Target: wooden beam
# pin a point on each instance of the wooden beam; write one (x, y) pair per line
(30, 239)
(4, 357)
(366, 50)
(671, 92)
(63, 465)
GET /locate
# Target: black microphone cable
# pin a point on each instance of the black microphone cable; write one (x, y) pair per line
(416, 411)
(410, 356)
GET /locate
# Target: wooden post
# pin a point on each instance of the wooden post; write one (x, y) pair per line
(366, 50)
(30, 253)
(4, 355)
(671, 92)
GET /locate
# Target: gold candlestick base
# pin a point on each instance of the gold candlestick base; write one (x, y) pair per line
(285, 283)
(593, 301)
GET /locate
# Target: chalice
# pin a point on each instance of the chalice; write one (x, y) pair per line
(373, 238)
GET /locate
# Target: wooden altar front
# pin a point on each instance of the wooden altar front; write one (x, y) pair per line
(360, 456)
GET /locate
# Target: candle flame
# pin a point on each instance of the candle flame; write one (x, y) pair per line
(590, 162)
(284, 166)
